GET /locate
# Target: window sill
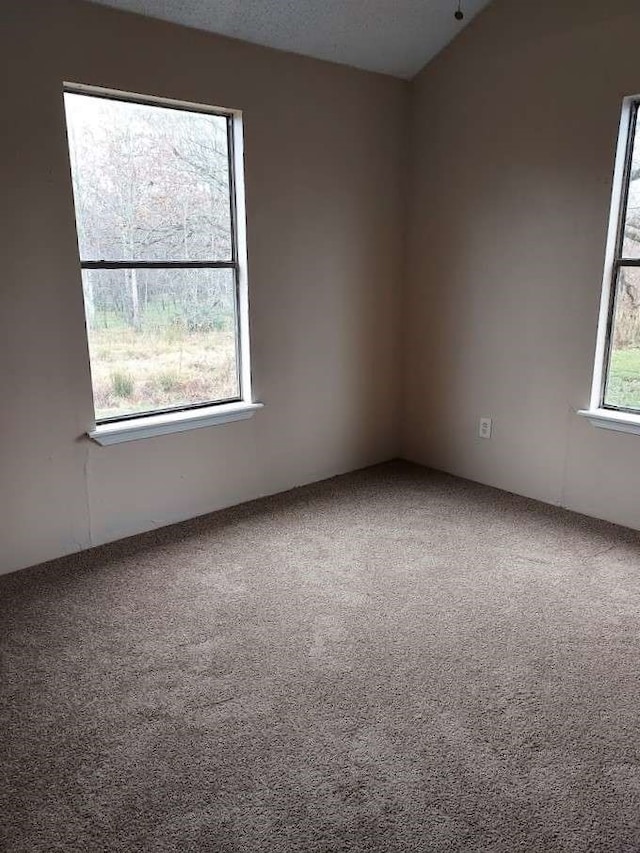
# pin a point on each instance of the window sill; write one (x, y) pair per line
(147, 427)
(609, 419)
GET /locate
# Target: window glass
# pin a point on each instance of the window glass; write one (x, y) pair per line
(160, 339)
(631, 236)
(622, 388)
(150, 183)
(619, 388)
(153, 195)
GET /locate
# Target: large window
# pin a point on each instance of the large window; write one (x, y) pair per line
(616, 387)
(156, 198)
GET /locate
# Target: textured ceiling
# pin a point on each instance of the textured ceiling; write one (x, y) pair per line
(396, 37)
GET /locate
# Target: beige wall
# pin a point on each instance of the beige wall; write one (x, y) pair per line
(324, 153)
(513, 131)
(514, 137)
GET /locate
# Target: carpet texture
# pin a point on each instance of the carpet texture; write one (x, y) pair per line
(393, 660)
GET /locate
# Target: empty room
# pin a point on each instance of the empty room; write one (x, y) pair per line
(320, 435)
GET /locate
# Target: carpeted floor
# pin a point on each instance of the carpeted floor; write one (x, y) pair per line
(394, 660)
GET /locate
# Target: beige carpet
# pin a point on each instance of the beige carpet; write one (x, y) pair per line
(394, 660)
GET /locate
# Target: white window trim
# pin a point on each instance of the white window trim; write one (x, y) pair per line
(597, 415)
(150, 425)
(610, 419)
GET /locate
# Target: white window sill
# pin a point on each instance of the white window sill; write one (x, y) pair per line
(137, 428)
(609, 419)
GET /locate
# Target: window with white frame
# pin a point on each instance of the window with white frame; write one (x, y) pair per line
(616, 385)
(159, 216)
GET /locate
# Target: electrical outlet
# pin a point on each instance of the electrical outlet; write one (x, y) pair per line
(484, 430)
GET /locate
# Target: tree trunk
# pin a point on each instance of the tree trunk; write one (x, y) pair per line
(89, 300)
(135, 299)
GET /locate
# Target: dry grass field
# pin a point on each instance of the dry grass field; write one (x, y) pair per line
(138, 371)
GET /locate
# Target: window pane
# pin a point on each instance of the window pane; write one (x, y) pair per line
(150, 183)
(623, 380)
(160, 338)
(631, 242)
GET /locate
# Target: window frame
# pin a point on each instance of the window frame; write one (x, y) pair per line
(600, 413)
(178, 418)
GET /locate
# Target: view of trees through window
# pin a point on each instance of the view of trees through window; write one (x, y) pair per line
(622, 389)
(152, 188)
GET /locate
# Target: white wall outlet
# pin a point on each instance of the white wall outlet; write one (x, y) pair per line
(484, 430)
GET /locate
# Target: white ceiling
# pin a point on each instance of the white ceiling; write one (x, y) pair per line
(396, 37)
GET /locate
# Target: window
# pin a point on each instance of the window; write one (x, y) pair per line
(615, 398)
(159, 219)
